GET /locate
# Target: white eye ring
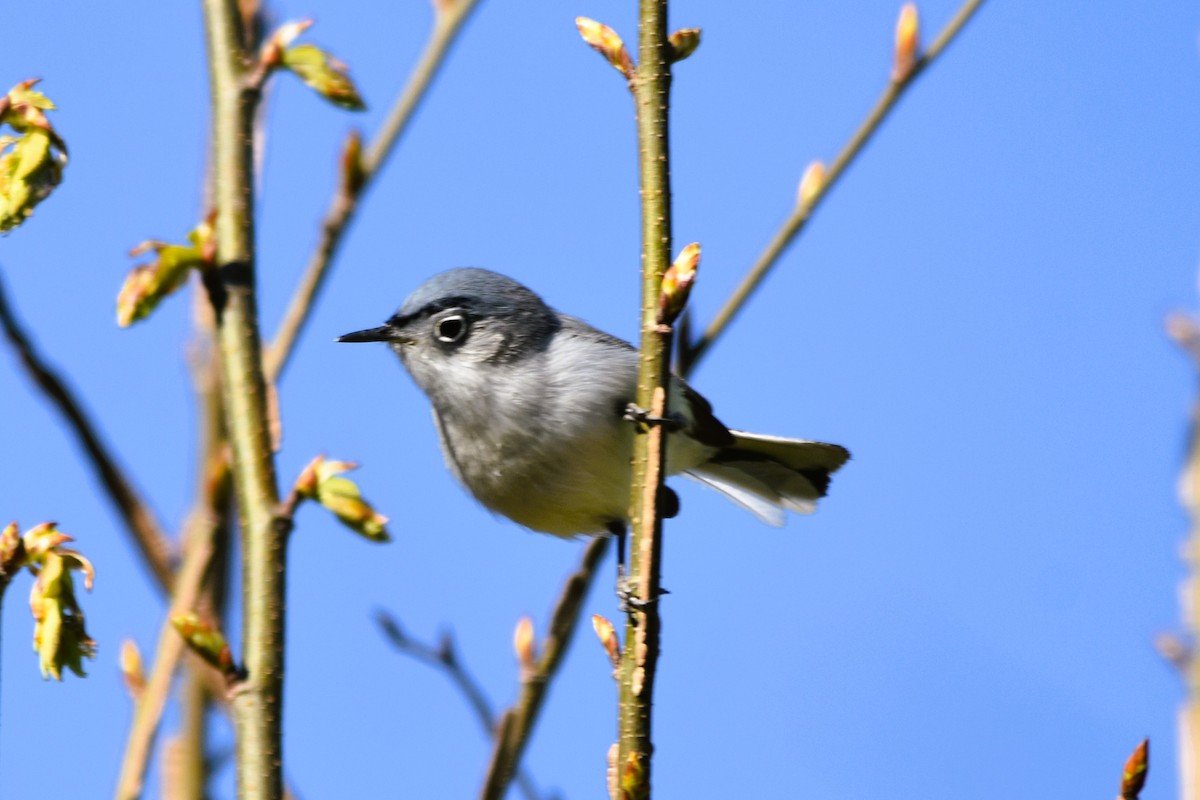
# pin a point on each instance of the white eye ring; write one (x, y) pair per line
(450, 328)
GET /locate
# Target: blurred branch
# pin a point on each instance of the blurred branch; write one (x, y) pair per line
(148, 535)
(445, 658)
(518, 721)
(358, 173)
(690, 353)
(187, 754)
(1186, 334)
(153, 698)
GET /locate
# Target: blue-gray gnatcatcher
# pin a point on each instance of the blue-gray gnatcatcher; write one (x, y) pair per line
(530, 405)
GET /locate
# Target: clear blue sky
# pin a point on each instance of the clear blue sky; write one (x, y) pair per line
(976, 313)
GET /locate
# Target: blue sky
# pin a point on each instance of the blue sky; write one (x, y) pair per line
(976, 312)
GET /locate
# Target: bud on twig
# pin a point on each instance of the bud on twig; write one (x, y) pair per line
(353, 173)
(683, 43)
(677, 284)
(12, 553)
(634, 785)
(131, 669)
(605, 41)
(812, 184)
(908, 41)
(321, 481)
(523, 644)
(324, 74)
(147, 284)
(1136, 769)
(608, 637)
(206, 641)
(443, 7)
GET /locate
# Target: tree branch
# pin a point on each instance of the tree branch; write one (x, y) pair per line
(357, 178)
(257, 702)
(518, 721)
(153, 699)
(690, 353)
(152, 542)
(445, 658)
(651, 86)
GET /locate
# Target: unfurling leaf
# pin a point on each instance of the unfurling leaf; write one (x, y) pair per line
(59, 636)
(147, 284)
(322, 481)
(605, 41)
(31, 164)
(677, 284)
(908, 41)
(206, 641)
(324, 74)
(684, 42)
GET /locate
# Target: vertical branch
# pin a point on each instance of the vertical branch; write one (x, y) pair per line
(651, 86)
(170, 649)
(1186, 334)
(1189, 741)
(257, 701)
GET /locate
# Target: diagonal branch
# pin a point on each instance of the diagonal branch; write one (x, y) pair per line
(357, 178)
(691, 353)
(151, 540)
(153, 699)
(444, 658)
(517, 722)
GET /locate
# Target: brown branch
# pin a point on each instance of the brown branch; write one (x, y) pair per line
(358, 177)
(153, 699)
(258, 699)
(445, 658)
(690, 353)
(517, 723)
(150, 538)
(651, 86)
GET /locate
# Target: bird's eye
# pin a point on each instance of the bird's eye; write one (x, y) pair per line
(450, 329)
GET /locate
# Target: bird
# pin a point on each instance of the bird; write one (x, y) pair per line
(533, 409)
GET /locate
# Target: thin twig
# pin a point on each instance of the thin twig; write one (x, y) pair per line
(445, 658)
(148, 535)
(690, 353)
(512, 737)
(1186, 334)
(448, 21)
(153, 699)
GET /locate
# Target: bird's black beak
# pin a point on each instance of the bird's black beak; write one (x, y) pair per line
(384, 333)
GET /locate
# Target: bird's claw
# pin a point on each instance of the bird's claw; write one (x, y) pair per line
(671, 422)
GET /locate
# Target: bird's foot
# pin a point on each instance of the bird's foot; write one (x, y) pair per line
(636, 414)
(628, 596)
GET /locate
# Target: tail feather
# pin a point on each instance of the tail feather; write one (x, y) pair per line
(766, 474)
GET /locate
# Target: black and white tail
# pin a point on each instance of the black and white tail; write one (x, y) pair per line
(767, 474)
